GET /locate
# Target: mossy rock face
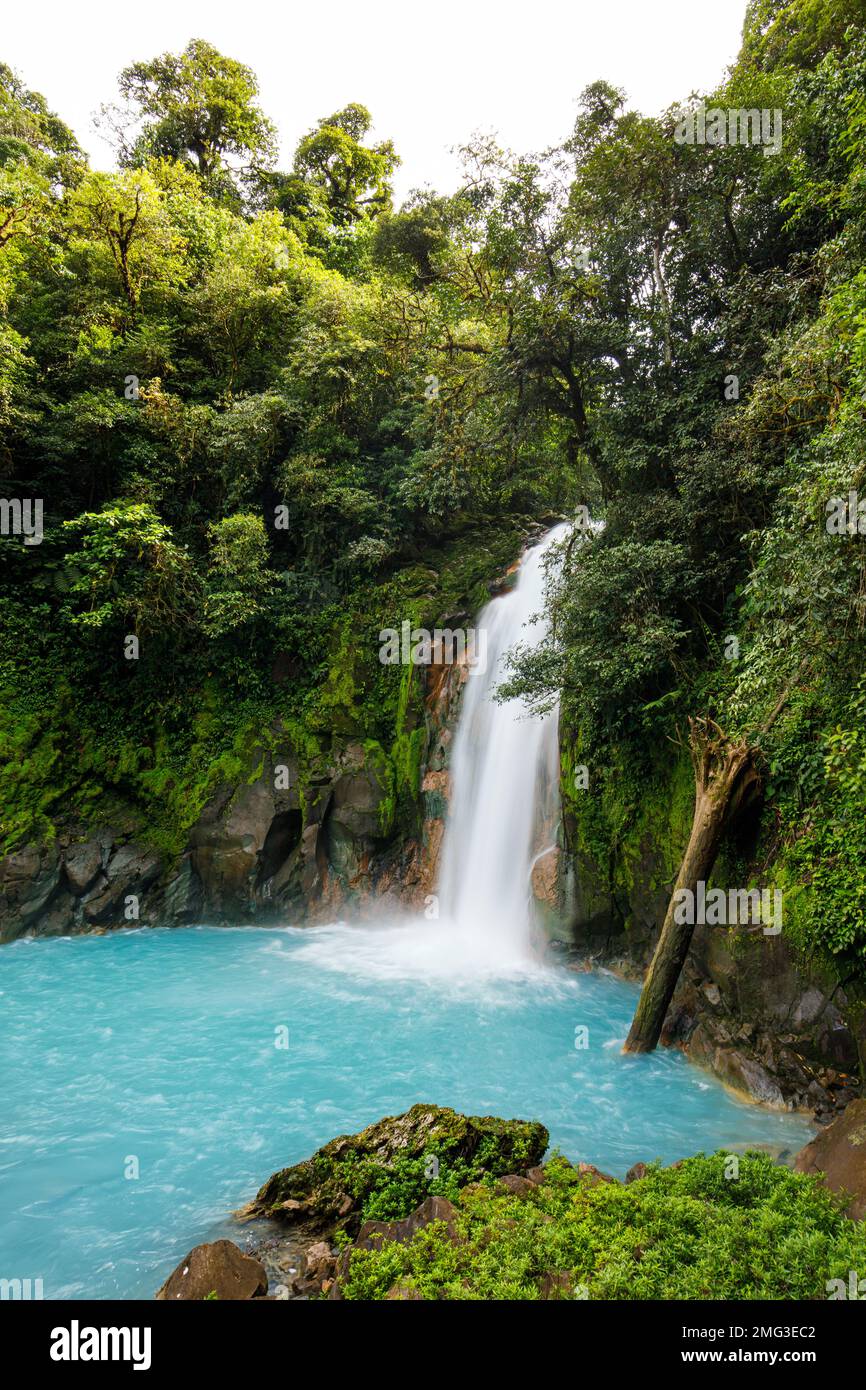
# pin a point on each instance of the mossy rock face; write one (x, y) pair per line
(391, 1166)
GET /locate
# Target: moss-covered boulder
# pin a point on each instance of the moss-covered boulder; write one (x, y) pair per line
(388, 1169)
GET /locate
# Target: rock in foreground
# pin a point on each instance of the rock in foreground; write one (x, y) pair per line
(839, 1152)
(220, 1271)
(395, 1162)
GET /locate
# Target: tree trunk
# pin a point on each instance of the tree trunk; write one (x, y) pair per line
(724, 777)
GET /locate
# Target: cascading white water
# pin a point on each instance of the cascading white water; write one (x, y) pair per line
(504, 785)
(503, 812)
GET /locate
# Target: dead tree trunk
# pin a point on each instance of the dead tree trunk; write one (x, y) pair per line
(725, 777)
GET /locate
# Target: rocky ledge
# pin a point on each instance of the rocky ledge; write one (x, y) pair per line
(748, 1011)
(313, 1211)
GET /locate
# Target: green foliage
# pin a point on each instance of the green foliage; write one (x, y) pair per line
(239, 579)
(687, 1232)
(828, 852)
(120, 227)
(391, 1194)
(795, 33)
(196, 107)
(121, 565)
(388, 1168)
(200, 344)
(32, 132)
(217, 389)
(353, 177)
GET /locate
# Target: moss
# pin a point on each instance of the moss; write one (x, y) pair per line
(147, 752)
(808, 839)
(390, 1167)
(628, 817)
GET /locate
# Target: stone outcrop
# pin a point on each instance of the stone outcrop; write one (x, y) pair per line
(75, 884)
(295, 838)
(256, 852)
(218, 1270)
(545, 885)
(303, 1209)
(373, 1233)
(838, 1153)
(329, 1190)
(744, 1010)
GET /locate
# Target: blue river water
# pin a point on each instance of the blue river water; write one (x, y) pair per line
(153, 1079)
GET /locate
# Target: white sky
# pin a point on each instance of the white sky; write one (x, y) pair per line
(431, 73)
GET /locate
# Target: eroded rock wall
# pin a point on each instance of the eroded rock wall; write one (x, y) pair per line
(297, 839)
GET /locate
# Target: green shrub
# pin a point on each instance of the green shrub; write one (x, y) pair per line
(687, 1232)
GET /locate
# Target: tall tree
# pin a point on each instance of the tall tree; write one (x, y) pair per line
(197, 107)
(124, 215)
(354, 177)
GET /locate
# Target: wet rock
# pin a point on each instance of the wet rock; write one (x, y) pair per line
(22, 866)
(30, 882)
(291, 1208)
(374, 1234)
(495, 1146)
(746, 1074)
(183, 898)
(216, 1270)
(756, 1063)
(593, 1175)
(131, 870)
(545, 879)
(82, 863)
(358, 797)
(319, 1261)
(226, 843)
(839, 1153)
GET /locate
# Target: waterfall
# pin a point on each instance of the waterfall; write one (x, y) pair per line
(504, 808)
(504, 785)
